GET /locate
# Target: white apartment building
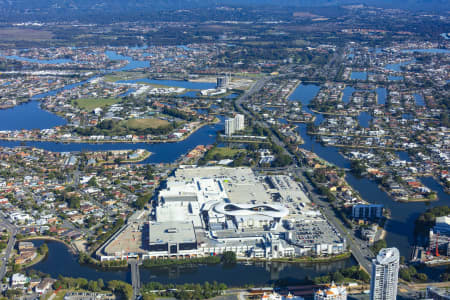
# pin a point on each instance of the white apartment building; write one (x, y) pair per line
(229, 126)
(385, 267)
(234, 124)
(239, 122)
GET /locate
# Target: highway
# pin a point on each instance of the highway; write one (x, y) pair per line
(360, 251)
(254, 89)
(12, 229)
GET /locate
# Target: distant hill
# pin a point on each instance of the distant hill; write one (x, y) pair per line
(57, 9)
(179, 4)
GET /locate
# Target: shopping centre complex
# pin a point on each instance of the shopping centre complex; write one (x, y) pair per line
(203, 211)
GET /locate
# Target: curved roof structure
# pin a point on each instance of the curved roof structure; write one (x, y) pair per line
(388, 255)
(269, 210)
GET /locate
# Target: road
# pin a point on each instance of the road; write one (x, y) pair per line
(254, 89)
(356, 249)
(361, 253)
(12, 229)
(135, 277)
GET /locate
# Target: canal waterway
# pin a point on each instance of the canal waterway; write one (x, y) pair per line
(395, 78)
(161, 152)
(419, 100)
(237, 275)
(398, 66)
(358, 76)
(400, 228)
(381, 95)
(432, 50)
(28, 116)
(174, 83)
(132, 64)
(364, 119)
(31, 116)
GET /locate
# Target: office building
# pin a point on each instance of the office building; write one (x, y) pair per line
(442, 225)
(385, 267)
(223, 81)
(367, 211)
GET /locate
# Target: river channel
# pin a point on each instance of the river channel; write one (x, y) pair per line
(237, 275)
(401, 226)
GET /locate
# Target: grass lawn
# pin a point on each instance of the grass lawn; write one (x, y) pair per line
(20, 34)
(224, 152)
(145, 123)
(253, 75)
(91, 103)
(123, 76)
(59, 295)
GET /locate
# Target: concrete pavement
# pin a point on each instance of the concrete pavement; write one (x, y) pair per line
(135, 277)
(12, 229)
(361, 258)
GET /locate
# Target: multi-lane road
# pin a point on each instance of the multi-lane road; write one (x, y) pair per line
(253, 90)
(12, 230)
(359, 250)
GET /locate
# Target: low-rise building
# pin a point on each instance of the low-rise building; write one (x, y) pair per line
(44, 286)
(18, 279)
(435, 293)
(332, 292)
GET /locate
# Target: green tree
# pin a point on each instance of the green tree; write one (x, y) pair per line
(43, 249)
(229, 257)
(338, 277)
(378, 245)
(100, 283)
(405, 275)
(93, 182)
(93, 286)
(422, 277)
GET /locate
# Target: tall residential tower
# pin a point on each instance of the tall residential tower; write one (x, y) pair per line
(383, 285)
(234, 124)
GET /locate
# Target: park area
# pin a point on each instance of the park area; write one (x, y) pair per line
(89, 104)
(146, 123)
